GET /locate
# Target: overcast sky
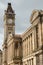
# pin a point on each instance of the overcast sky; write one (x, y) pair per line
(23, 10)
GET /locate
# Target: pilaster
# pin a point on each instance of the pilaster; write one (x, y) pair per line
(28, 46)
(35, 43)
(39, 34)
(34, 60)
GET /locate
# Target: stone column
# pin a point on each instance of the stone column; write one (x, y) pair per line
(25, 48)
(29, 62)
(34, 60)
(13, 46)
(41, 59)
(11, 52)
(37, 60)
(31, 45)
(18, 49)
(28, 45)
(35, 45)
(39, 34)
(33, 40)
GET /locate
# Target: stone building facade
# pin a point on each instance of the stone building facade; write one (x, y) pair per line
(27, 48)
(32, 40)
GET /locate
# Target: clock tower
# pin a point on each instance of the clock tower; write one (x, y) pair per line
(9, 21)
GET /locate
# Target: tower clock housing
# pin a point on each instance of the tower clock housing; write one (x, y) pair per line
(9, 21)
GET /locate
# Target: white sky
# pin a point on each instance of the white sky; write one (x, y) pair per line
(23, 10)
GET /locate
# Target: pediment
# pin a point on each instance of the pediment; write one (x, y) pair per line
(34, 14)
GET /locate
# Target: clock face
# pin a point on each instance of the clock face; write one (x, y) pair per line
(9, 21)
